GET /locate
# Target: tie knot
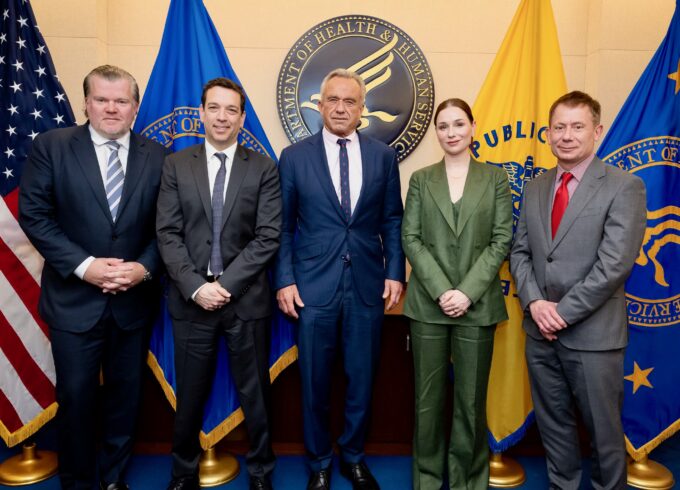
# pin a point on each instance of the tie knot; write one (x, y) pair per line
(113, 145)
(222, 157)
(343, 142)
(566, 177)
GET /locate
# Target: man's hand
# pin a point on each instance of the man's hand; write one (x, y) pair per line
(454, 303)
(125, 276)
(212, 296)
(288, 298)
(101, 271)
(392, 293)
(544, 313)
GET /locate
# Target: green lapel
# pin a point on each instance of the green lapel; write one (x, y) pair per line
(475, 188)
(438, 186)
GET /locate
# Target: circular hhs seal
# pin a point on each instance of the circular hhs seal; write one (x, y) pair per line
(399, 86)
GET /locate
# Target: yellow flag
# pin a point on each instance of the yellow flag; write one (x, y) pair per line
(512, 117)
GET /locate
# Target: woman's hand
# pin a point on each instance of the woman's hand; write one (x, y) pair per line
(454, 303)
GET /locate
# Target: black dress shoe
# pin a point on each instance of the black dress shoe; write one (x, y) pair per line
(359, 475)
(320, 480)
(113, 486)
(257, 483)
(184, 483)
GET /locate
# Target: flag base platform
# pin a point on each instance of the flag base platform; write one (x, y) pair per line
(31, 466)
(215, 468)
(505, 472)
(649, 475)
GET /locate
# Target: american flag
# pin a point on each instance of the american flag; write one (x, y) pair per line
(31, 101)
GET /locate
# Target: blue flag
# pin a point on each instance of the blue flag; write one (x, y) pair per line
(645, 140)
(192, 53)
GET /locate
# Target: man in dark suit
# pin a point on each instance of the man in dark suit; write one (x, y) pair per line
(579, 233)
(87, 203)
(218, 227)
(340, 259)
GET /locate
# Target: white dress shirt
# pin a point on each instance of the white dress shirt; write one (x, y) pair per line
(103, 152)
(330, 142)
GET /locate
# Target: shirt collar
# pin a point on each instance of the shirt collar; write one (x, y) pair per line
(332, 139)
(578, 171)
(210, 151)
(100, 140)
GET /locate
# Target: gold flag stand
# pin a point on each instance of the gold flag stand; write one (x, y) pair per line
(505, 472)
(216, 468)
(649, 475)
(31, 466)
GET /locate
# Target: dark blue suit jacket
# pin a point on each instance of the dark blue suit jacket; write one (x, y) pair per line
(64, 212)
(315, 234)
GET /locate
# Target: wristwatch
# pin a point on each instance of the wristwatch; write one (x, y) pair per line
(147, 275)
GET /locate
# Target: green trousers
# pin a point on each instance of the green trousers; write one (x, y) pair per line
(470, 349)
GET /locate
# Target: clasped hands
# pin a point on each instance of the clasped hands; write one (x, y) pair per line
(548, 320)
(113, 275)
(454, 303)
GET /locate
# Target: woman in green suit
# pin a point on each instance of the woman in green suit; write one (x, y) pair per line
(456, 232)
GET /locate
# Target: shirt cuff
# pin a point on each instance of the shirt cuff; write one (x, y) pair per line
(80, 270)
(193, 296)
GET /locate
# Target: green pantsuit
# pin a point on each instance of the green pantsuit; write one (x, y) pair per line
(454, 248)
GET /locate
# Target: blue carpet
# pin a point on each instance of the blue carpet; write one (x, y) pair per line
(393, 472)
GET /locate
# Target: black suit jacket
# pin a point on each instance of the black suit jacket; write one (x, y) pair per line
(251, 227)
(64, 212)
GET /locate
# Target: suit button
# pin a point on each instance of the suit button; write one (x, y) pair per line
(208, 242)
(114, 237)
(550, 259)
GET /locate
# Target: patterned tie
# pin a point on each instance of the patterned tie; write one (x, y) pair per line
(345, 201)
(216, 265)
(114, 178)
(561, 202)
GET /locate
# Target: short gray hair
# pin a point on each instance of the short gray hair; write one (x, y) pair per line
(343, 73)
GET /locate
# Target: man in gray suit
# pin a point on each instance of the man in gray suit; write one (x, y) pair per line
(579, 233)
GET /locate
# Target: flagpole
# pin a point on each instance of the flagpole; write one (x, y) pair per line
(216, 468)
(29, 467)
(505, 472)
(649, 475)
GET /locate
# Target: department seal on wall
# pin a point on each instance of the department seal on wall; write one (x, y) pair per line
(399, 85)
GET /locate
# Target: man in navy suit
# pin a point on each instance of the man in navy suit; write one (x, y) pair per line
(340, 259)
(87, 202)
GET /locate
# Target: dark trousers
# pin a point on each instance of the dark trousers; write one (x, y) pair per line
(78, 358)
(561, 379)
(195, 355)
(354, 328)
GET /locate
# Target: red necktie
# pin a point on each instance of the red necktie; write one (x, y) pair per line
(560, 203)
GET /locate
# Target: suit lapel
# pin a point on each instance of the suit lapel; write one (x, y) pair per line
(586, 190)
(83, 150)
(320, 164)
(368, 167)
(474, 190)
(137, 156)
(439, 189)
(239, 169)
(546, 187)
(199, 167)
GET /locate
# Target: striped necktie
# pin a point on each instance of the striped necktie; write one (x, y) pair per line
(114, 178)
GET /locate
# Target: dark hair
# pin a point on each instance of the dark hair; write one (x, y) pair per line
(224, 83)
(111, 73)
(575, 99)
(459, 103)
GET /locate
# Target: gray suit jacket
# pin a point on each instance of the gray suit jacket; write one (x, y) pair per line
(251, 227)
(584, 268)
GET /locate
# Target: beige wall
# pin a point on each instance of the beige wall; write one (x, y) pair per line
(605, 43)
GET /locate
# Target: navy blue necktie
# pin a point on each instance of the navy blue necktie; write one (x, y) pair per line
(345, 201)
(216, 265)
